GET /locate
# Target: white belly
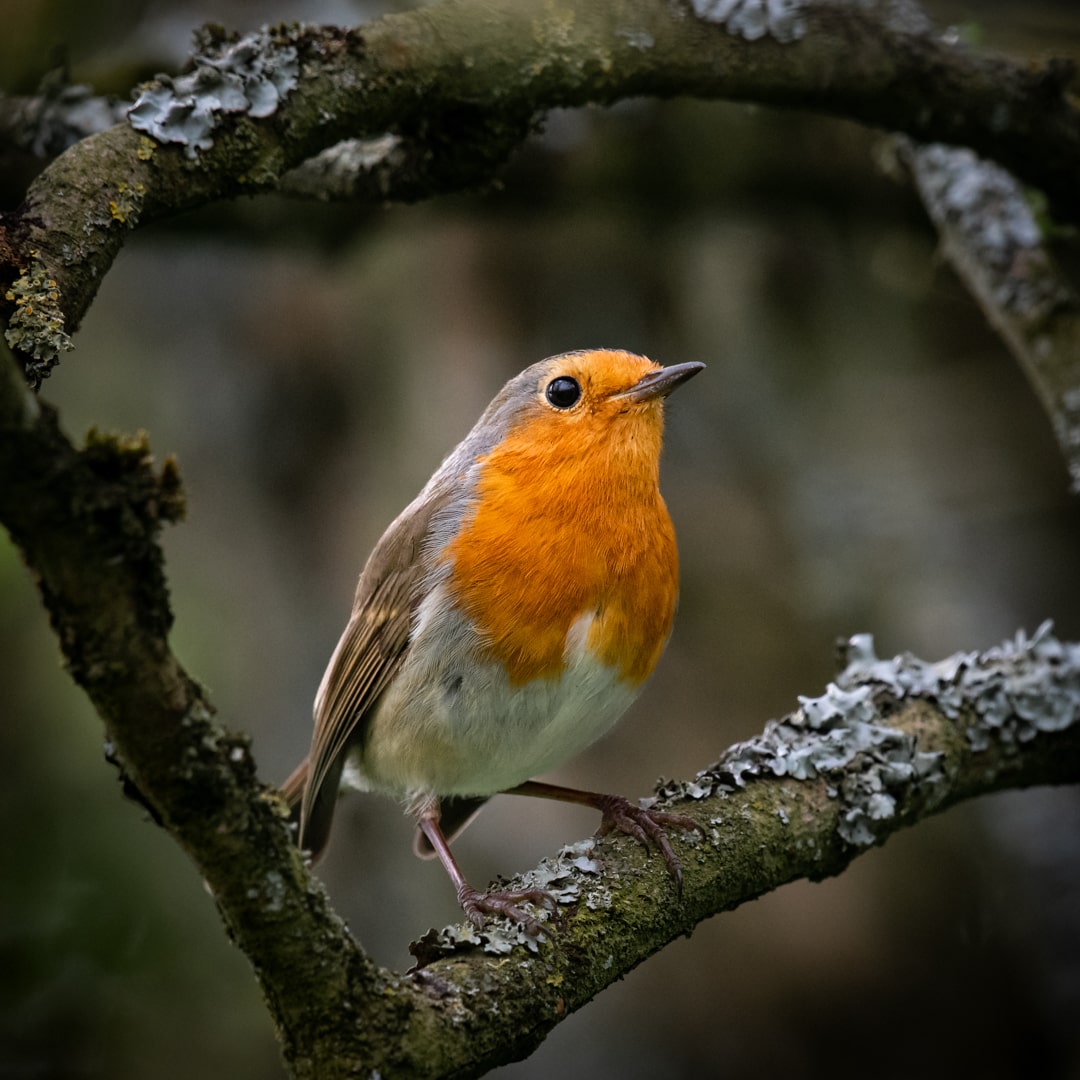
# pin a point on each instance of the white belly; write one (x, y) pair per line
(449, 725)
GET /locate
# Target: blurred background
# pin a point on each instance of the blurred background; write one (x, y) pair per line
(861, 455)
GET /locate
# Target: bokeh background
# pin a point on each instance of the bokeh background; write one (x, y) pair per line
(861, 455)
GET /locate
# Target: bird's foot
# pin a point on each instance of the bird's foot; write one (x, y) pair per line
(621, 815)
(504, 902)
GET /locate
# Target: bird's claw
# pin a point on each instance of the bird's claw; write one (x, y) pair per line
(621, 815)
(504, 902)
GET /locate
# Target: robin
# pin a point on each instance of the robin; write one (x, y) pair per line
(508, 616)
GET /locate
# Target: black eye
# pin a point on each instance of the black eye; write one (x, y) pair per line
(563, 392)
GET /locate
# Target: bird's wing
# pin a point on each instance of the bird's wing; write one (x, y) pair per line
(366, 659)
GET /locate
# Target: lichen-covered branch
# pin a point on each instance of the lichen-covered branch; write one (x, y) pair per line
(890, 742)
(87, 522)
(990, 235)
(58, 117)
(462, 81)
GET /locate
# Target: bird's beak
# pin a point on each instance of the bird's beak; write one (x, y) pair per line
(658, 384)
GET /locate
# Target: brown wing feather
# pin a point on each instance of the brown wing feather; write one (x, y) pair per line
(366, 659)
(293, 787)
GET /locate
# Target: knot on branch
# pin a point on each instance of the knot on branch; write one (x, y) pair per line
(145, 499)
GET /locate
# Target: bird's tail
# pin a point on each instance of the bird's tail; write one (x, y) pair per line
(457, 813)
(293, 788)
(312, 833)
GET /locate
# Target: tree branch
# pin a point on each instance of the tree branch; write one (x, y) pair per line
(57, 118)
(892, 742)
(990, 236)
(87, 523)
(259, 107)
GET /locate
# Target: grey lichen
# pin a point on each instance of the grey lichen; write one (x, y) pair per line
(835, 736)
(754, 19)
(271, 893)
(251, 76)
(636, 37)
(902, 16)
(61, 115)
(1010, 693)
(986, 205)
(499, 937)
(991, 230)
(1013, 691)
(339, 171)
(564, 877)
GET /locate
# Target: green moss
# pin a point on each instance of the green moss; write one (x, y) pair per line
(153, 497)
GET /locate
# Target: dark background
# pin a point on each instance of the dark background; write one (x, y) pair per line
(861, 455)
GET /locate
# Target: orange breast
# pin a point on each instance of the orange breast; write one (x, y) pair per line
(569, 521)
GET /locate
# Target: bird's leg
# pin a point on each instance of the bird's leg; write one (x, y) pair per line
(474, 903)
(621, 815)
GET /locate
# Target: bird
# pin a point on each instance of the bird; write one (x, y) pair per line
(507, 618)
